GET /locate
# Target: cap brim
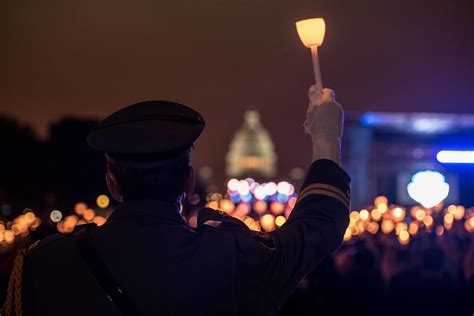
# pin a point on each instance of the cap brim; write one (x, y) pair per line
(141, 137)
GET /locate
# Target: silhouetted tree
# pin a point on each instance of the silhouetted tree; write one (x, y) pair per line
(75, 171)
(20, 166)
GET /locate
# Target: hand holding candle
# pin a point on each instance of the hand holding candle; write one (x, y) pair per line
(324, 117)
(311, 33)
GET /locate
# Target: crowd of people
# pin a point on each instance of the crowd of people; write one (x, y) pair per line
(376, 275)
(370, 274)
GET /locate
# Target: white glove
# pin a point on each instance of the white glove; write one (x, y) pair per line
(324, 119)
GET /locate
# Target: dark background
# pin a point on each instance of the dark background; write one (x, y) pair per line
(89, 58)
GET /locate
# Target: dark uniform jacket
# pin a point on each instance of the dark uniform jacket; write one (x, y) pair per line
(167, 268)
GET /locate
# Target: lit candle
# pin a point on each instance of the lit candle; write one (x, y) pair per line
(311, 33)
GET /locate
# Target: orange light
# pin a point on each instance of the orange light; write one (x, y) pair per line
(256, 226)
(398, 213)
(459, 214)
(260, 206)
(364, 215)
(376, 214)
(311, 31)
(387, 226)
(452, 209)
(61, 227)
(372, 228)
(71, 220)
(420, 214)
(227, 205)
(355, 230)
(16, 229)
(249, 221)
(380, 200)
(352, 222)
(400, 227)
(354, 215)
(448, 226)
(347, 234)
(80, 207)
(277, 208)
(9, 236)
(241, 210)
(469, 225)
(428, 221)
(448, 218)
(382, 207)
(99, 220)
(280, 220)
(268, 222)
(30, 217)
(88, 214)
(213, 204)
(413, 211)
(404, 237)
(413, 228)
(35, 223)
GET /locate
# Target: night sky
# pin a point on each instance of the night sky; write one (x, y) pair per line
(91, 57)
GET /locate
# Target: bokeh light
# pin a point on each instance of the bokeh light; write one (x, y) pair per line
(280, 220)
(56, 216)
(80, 207)
(267, 222)
(103, 201)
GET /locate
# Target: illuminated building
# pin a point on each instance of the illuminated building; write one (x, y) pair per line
(251, 152)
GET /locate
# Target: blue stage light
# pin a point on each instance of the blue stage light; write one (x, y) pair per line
(455, 156)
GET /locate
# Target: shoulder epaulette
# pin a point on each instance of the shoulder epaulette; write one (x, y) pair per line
(209, 216)
(81, 227)
(39, 244)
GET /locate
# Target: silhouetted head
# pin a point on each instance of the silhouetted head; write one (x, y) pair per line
(147, 147)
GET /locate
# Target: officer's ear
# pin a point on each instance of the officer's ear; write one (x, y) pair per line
(190, 183)
(113, 187)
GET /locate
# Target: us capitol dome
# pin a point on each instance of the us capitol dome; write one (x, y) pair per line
(251, 152)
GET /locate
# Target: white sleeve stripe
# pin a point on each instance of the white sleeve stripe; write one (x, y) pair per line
(325, 186)
(323, 192)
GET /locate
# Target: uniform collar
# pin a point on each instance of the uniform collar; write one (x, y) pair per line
(148, 211)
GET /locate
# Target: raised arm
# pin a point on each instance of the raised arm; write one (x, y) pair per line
(317, 224)
(314, 229)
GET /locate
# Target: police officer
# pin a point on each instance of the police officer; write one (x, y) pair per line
(147, 261)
